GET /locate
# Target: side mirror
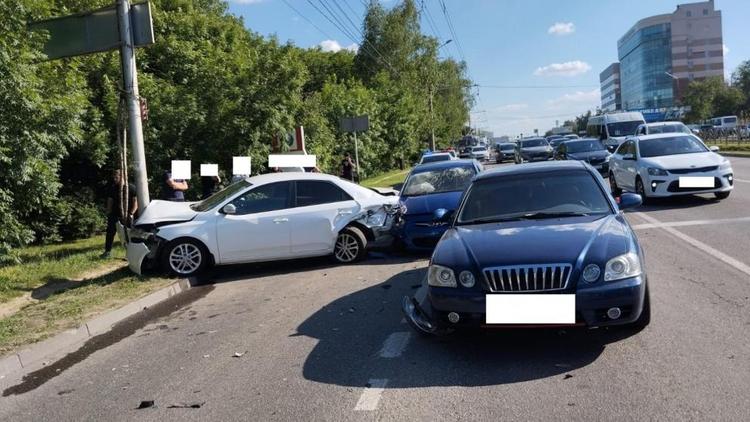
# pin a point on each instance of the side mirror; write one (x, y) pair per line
(229, 209)
(630, 200)
(629, 157)
(714, 148)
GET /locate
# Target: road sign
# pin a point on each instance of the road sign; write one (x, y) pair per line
(94, 31)
(354, 124)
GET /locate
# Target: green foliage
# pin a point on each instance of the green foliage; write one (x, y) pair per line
(712, 97)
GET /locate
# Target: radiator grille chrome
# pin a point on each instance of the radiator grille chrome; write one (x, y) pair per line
(527, 278)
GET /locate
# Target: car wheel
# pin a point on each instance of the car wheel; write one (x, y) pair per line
(645, 318)
(616, 191)
(351, 246)
(640, 190)
(722, 195)
(184, 257)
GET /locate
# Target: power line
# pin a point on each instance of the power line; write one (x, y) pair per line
(302, 15)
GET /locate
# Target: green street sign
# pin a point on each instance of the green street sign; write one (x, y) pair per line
(94, 31)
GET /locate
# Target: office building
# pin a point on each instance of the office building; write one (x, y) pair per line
(609, 81)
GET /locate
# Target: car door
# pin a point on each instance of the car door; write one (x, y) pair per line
(629, 167)
(321, 209)
(259, 229)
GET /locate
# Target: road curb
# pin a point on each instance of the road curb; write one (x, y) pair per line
(735, 154)
(69, 340)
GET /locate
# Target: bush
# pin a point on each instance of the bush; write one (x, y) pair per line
(81, 218)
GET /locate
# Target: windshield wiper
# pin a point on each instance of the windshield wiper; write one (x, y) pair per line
(488, 220)
(543, 215)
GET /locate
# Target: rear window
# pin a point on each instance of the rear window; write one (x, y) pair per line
(435, 158)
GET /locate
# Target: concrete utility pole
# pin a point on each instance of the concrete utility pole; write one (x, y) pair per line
(432, 122)
(130, 85)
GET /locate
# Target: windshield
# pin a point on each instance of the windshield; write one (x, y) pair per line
(670, 146)
(562, 193)
(480, 149)
(623, 128)
(534, 143)
(585, 146)
(438, 181)
(507, 147)
(677, 127)
(436, 157)
(220, 196)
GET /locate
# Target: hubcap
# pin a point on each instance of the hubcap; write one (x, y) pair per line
(185, 258)
(347, 248)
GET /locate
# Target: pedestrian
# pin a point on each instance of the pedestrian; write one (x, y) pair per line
(114, 209)
(173, 189)
(209, 185)
(348, 167)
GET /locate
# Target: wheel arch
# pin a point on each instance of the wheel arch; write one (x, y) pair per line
(210, 255)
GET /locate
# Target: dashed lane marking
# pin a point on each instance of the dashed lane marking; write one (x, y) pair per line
(371, 395)
(689, 223)
(395, 344)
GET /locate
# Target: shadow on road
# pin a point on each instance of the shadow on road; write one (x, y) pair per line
(347, 349)
(677, 202)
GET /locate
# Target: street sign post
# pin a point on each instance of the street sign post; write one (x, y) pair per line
(354, 125)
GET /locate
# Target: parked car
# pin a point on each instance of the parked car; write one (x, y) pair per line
(505, 151)
(668, 165)
(560, 252)
(435, 157)
(428, 188)
(466, 152)
(588, 150)
(480, 153)
(532, 149)
(662, 127)
(262, 218)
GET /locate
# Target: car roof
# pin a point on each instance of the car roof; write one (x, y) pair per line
(439, 165)
(531, 168)
(664, 123)
(284, 176)
(572, 141)
(661, 136)
(436, 154)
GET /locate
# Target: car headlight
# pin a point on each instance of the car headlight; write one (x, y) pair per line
(591, 273)
(440, 276)
(623, 266)
(725, 165)
(377, 218)
(466, 278)
(653, 171)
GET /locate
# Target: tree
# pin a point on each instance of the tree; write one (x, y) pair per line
(712, 97)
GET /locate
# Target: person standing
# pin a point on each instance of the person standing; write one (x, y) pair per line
(114, 209)
(347, 167)
(173, 189)
(209, 185)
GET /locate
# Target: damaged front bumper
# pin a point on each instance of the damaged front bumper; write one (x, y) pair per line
(140, 247)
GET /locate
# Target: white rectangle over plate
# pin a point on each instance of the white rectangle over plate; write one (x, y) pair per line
(291, 160)
(696, 182)
(530, 309)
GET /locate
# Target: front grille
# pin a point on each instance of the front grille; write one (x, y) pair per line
(675, 186)
(528, 278)
(695, 170)
(596, 161)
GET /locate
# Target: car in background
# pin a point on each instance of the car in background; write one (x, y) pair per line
(480, 153)
(588, 150)
(275, 216)
(451, 151)
(465, 152)
(667, 165)
(555, 140)
(724, 122)
(429, 190)
(532, 149)
(559, 253)
(572, 136)
(613, 128)
(505, 151)
(662, 127)
(435, 157)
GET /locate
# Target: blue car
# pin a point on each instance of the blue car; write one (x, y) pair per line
(429, 189)
(541, 244)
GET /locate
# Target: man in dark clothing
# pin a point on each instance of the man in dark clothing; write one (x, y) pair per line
(114, 209)
(209, 185)
(173, 189)
(347, 167)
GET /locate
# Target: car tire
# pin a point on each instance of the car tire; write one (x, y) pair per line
(184, 257)
(351, 246)
(722, 195)
(616, 191)
(645, 317)
(641, 190)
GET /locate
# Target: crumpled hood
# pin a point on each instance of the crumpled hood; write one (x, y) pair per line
(429, 203)
(159, 211)
(684, 161)
(535, 242)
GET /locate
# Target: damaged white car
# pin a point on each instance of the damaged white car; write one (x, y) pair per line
(263, 218)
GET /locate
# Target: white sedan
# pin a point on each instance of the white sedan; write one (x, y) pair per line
(668, 165)
(263, 218)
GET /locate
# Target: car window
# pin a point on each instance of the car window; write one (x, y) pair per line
(435, 158)
(220, 196)
(314, 192)
(622, 128)
(270, 197)
(534, 143)
(623, 148)
(438, 181)
(670, 146)
(585, 146)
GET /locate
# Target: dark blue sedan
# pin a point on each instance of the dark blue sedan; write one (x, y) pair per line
(430, 191)
(536, 245)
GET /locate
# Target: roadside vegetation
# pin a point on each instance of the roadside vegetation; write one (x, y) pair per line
(387, 179)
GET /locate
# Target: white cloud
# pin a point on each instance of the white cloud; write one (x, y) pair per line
(724, 49)
(562, 28)
(511, 107)
(334, 46)
(578, 97)
(573, 68)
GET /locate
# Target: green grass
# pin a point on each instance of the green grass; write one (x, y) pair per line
(388, 179)
(732, 146)
(68, 284)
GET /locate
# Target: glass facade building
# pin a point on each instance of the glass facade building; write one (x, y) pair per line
(645, 54)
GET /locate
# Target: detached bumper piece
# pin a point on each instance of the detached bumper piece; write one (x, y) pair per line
(417, 317)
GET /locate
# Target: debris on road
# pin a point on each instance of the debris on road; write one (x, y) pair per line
(64, 392)
(206, 356)
(351, 310)
(186, 405)
(145, 404)
(239, 354)
(567, 376)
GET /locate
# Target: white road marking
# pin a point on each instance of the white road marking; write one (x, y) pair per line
(371, 395)
(395, 344)
(741, 180)
(698, 244)
(689, 223)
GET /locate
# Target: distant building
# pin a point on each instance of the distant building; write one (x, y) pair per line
(609, 80)
(661, 54)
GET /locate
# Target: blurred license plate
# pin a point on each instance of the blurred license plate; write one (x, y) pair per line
(530, 309)
(696, 182)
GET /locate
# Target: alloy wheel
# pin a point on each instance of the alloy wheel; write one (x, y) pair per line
(185, 258)
(347, 248)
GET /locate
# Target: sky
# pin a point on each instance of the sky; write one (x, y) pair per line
(535, 61)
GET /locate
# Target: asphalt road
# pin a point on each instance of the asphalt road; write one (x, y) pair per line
(320, 342)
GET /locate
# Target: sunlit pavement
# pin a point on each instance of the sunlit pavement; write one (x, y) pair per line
(320, 342)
